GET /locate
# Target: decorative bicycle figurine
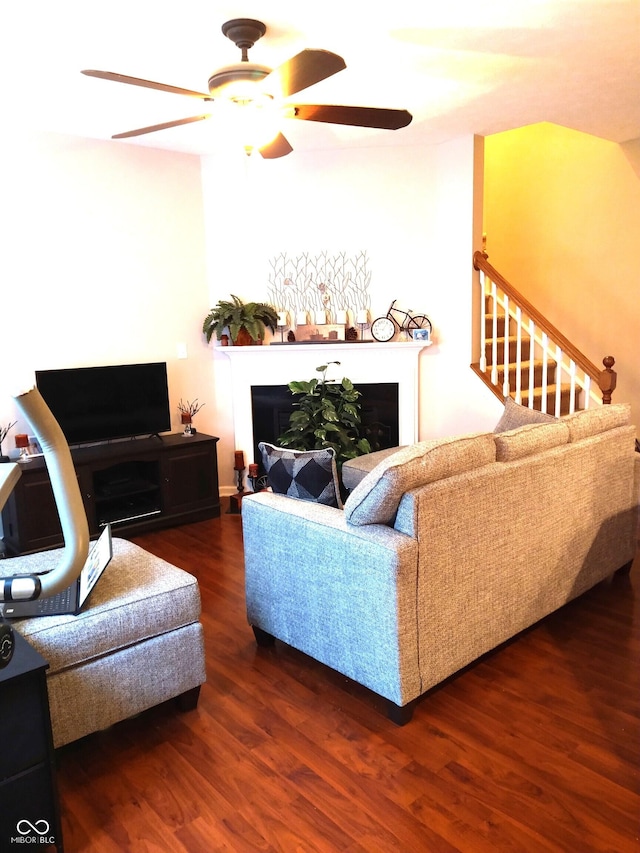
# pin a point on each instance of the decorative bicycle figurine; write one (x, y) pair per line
(383, 329)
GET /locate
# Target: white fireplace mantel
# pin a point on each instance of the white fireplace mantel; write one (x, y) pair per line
(362, 363)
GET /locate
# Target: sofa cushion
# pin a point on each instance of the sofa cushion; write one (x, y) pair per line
(515, 415)
(355, 470)
(529, 439)
(139, 596)
(597, 419)
(309, 475)
(375, 500)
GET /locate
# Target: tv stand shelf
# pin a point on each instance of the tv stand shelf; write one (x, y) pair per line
(136, 485)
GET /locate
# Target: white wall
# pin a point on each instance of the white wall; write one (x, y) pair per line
(102, 261)
(411, 209)
(107, 258)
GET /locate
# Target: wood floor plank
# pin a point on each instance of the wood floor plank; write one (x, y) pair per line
(532, 749)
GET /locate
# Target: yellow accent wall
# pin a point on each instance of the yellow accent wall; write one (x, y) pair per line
(562, 219)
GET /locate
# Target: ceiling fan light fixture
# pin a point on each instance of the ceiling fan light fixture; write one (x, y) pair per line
(255, 95)
(249, 124)
(238, 82)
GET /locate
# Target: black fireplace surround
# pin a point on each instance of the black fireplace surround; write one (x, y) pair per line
(272, 405)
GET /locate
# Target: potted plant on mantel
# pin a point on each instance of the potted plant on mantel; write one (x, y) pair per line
(246, 321)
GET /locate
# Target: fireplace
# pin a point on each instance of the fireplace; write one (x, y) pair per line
(241, 369)
(271, 406)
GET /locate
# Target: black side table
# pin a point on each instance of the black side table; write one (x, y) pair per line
(29, 809)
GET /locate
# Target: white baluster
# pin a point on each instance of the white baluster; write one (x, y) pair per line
(572, 380)
(505, 378)
(532, 349)
(483, 323)
(494, 342)
(545, 364)
(518, 354)
(558, 381)
(587, 390)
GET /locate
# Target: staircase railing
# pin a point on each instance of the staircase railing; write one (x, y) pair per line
(512, 318)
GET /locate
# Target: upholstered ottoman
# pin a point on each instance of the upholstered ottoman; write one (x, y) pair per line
(137, 642)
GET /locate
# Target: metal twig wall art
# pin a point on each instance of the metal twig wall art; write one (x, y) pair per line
(320, 288)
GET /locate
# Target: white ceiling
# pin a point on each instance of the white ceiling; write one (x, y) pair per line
(459, 66)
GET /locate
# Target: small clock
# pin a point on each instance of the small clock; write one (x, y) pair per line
(383, 329)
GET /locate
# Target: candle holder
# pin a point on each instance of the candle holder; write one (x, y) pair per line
(253, 476)
(188, 411)
(22, 443)
(362, 319)
(283, 322)
(235, 501)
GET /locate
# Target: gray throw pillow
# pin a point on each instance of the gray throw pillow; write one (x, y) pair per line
(309, 475)
(515, 416)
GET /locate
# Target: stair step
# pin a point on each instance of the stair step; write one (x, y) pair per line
(525, 346)
(488, 325)
(565, 394)
(525, 370)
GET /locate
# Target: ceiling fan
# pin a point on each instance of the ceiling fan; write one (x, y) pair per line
(247, 86)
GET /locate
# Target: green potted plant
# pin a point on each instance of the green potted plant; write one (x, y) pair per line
(327, 415)
(246, 321)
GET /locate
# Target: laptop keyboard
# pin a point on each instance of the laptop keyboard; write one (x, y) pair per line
(55, 603)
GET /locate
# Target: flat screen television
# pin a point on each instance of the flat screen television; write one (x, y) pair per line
(94, 404)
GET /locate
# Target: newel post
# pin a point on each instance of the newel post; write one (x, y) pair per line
(607, 379)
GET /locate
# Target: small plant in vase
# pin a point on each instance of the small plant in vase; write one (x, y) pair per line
(4, 431)
(246, 321)
(188, 411)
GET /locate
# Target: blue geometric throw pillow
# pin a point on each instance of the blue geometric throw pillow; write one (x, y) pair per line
(309, 475)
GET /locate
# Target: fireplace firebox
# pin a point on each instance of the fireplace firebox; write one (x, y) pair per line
(272, 405)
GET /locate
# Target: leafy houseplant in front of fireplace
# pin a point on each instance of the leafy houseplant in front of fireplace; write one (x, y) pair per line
(327, 414)
(247, 322)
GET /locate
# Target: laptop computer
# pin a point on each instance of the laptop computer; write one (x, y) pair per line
(71, 599)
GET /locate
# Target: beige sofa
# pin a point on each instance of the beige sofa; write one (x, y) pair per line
(444, 550)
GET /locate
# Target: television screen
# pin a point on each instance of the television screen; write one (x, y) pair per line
(100, 403)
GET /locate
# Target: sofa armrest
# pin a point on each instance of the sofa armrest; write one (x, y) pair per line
(294, 511)
(342, 594)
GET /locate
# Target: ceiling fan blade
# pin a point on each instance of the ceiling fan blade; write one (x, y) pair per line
(148, 84)
(303, 70)
(356, 116)
(279, 147)
(152, 128)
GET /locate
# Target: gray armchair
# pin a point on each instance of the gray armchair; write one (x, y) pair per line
(343, 595)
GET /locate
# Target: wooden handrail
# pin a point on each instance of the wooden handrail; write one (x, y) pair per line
(606, 378)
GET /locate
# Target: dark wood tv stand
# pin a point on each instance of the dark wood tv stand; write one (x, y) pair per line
(138, 485)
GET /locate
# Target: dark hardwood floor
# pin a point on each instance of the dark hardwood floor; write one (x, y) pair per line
(533, 748)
